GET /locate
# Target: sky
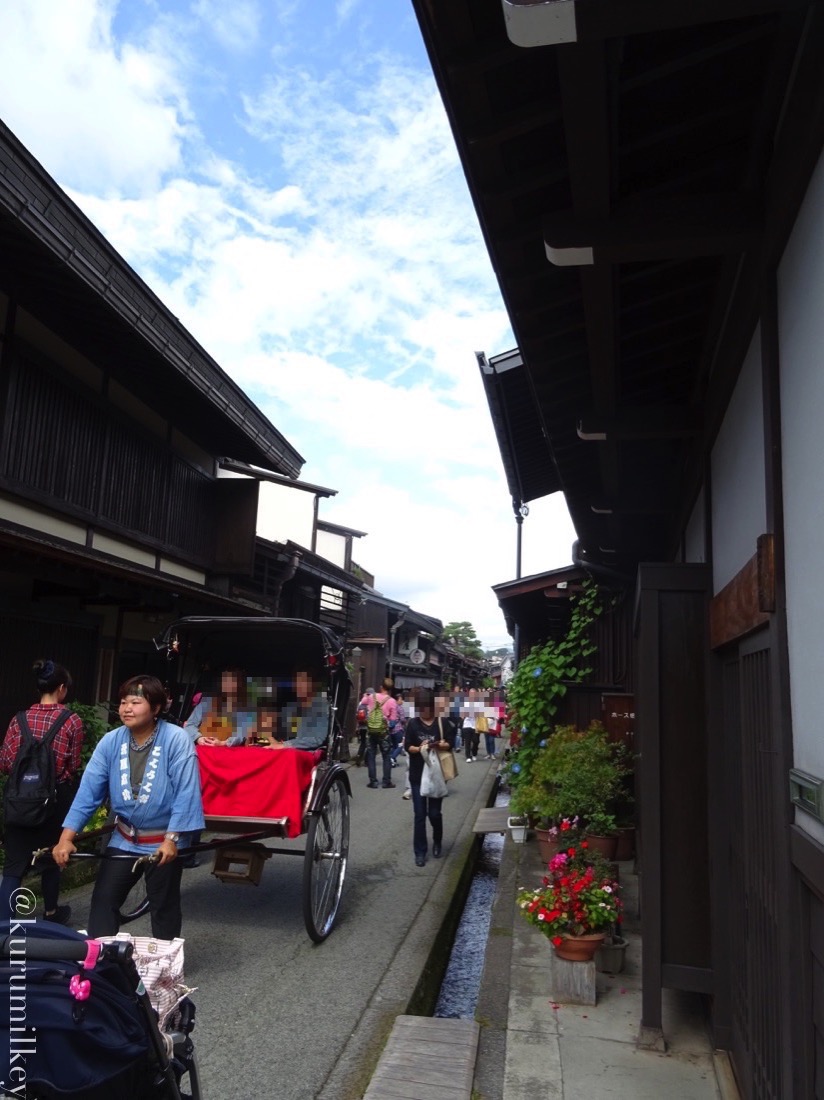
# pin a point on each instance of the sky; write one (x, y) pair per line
(282, 174)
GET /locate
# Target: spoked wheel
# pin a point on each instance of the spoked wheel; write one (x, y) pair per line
(136, 903)
(324, 867)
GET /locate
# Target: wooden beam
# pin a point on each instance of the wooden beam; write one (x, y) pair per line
(632, 504)
(643, 423)
(736, 610)
(556, 22)
(683, 227)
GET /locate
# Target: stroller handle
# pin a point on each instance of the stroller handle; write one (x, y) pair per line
(83, 951)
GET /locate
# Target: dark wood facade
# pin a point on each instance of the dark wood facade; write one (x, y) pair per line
(638, 170)
(113, 422)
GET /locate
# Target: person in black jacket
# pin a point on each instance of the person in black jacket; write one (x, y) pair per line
(425, 731)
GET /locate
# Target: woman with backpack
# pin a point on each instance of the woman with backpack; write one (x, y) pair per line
(29, 823)
(381, 720)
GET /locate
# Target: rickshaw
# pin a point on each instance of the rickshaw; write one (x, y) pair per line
(256, 793)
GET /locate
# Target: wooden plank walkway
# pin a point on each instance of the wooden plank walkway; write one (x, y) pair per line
(426, 1058)
(492, 820)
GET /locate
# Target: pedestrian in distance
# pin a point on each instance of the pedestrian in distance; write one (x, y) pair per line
(54, 684)
(455, 713)
(381, 720)
(398, 731)
(361, 714)
(426, 732)
(471, 737)
(148, 769)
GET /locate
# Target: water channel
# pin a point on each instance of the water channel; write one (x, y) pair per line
(462, 980)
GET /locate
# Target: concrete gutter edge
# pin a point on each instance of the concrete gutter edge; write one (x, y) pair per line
(416, 969)
(492, 1011)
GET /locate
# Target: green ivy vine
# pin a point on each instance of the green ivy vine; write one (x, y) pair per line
(542, 677)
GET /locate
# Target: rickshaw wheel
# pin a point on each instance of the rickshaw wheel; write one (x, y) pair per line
(324, 868)
(136, 903)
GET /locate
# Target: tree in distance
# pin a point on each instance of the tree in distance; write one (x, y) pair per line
(463, 637)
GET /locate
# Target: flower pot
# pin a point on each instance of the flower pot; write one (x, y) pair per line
(609, 958)
(626, 843)
(517, 829)
(606, 845)
(548, 846)
(579, 948)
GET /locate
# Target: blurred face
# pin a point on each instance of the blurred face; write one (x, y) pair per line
(304, 685)
(229, 683)
(137, 713)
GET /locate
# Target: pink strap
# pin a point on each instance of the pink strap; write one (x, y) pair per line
(92, 954)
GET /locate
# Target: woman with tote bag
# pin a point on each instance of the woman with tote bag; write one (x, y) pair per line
(425, 733)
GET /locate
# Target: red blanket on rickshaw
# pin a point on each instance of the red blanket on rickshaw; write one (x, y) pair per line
(248, 781)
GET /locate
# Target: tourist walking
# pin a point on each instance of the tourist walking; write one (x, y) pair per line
(425, 732)
(47, 719)
(456, 703)
(398, 732)
(469, 730)
(379, 734)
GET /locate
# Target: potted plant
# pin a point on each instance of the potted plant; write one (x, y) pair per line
(542, 679)
(576, 775)
(575, 906)
(518, 827)
(626, 841)
(602, 833)
(611, 955)
(557, 838)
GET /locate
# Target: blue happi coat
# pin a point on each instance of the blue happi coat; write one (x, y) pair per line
(169, 796)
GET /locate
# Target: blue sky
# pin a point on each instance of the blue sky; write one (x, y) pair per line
(282, 174)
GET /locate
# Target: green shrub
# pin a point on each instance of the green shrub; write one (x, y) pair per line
(575, 773)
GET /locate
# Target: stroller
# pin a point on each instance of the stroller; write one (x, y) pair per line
(81, 1024)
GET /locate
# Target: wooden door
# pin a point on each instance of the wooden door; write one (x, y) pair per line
(757, 900)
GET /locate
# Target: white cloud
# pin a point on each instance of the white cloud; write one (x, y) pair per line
(325, 253)
(102, 116)
(235, 26)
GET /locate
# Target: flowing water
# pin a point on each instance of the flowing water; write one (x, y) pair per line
(462, 981)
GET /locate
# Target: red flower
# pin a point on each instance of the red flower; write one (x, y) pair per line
(557, 940)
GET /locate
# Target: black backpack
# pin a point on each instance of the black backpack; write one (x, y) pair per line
(30, 797)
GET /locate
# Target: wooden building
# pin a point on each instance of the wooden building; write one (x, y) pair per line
(395, 642)
(537, 609)
(130, 464)
(649, 180)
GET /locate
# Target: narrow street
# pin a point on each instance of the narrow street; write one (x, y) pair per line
(276, 1013)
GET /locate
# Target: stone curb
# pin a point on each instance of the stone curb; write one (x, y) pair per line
(410, 983)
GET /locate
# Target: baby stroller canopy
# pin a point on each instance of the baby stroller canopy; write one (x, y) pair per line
(59, 1045)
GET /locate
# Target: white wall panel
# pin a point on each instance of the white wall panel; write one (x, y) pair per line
(738, 498)
(801, 329)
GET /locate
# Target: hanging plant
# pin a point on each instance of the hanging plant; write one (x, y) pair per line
(542, 678)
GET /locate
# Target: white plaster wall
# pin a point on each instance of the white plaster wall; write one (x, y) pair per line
(739, 509)
(286, 514)
(694, 541)
(332, 547)
(801, 333)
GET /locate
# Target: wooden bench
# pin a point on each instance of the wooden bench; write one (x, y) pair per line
(426, 1058)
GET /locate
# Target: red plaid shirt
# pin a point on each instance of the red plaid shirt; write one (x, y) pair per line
(66, 745)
